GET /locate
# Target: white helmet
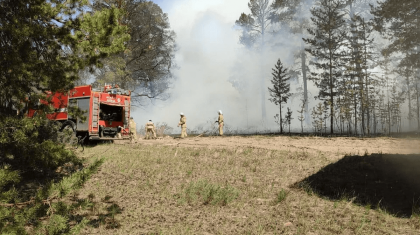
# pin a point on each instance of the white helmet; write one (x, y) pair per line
(220, 111)
(182, 114)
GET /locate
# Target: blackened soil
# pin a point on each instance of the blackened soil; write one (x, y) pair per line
(390, 181)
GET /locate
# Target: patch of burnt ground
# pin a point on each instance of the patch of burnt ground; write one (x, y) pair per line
(388, 181)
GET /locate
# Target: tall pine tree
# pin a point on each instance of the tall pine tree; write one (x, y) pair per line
(399, 21)
(254, 29)
(326, 45)
(44, 44)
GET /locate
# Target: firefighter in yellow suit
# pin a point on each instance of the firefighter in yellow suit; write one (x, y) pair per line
(133, 130)
(183, 124)
(150, 129)
(220, 121)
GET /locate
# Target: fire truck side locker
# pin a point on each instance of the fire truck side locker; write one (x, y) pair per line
(83, 104)
(95, 113)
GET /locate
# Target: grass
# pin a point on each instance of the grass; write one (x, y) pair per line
(230, 190)
(207, 193)
(281, 196)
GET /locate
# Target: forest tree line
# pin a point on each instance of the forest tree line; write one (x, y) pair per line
(363, 56)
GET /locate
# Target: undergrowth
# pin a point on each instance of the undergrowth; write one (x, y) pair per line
(46, 213)
(208, 193)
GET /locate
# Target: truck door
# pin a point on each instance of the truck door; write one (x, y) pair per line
(83, 104)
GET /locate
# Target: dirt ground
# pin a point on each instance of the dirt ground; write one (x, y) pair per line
(268, 185)
(337, 145)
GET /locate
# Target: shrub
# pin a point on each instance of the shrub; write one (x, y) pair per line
(280, 196)
(210, 194)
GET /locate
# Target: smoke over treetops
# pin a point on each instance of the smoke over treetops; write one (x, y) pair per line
(223, 66)
(215, 72)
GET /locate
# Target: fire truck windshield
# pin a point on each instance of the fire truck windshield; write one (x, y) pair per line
(110, 113)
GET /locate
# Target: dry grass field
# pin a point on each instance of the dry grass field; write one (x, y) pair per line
(255, 185)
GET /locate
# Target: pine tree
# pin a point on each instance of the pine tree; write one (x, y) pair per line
(326, 46)
(301, 117)
(367, 59)
(407, 75)
(44, 45)
(416, 97)
(289, 117)
(290, 15)
(145, 67)
(318, 117)
(361, 58)
(397, 98)
(281, 88)
(399, 22)
(254, 29)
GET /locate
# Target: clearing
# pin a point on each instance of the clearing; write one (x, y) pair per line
(255, 185)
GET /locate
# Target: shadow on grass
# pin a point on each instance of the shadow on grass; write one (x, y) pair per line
(388, 181)
(94, 214)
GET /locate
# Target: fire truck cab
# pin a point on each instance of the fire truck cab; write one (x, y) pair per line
(107, 111)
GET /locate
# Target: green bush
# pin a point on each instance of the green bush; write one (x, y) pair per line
(32, 147)
(57, 224)
(14, 219)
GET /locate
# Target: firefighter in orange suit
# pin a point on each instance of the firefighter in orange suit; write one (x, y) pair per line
(150, 129)
(221, 122)
(183, 124)
(133, 130)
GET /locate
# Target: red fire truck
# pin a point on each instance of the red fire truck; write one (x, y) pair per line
(107, 111)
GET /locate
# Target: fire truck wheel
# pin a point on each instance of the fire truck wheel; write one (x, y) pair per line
(68, 125)
(68, 132)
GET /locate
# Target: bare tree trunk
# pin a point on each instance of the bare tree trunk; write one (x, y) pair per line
(356, 57)
(262, 82)
(374, 121)
(367, 104)
(409, 99)
(301, 125)
(331, 97)
(417, 81)
(281, 120)
(305, 81)
(418, 104)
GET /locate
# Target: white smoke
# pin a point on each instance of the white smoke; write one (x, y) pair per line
(216, 72)
(209, 59)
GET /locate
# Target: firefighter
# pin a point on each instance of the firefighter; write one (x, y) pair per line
(221, 122)
(133, 130)
(150, 129)
(183, 124)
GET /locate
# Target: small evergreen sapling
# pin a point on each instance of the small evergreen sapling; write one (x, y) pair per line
(289, 117)
(301, 117)
(280, 91)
